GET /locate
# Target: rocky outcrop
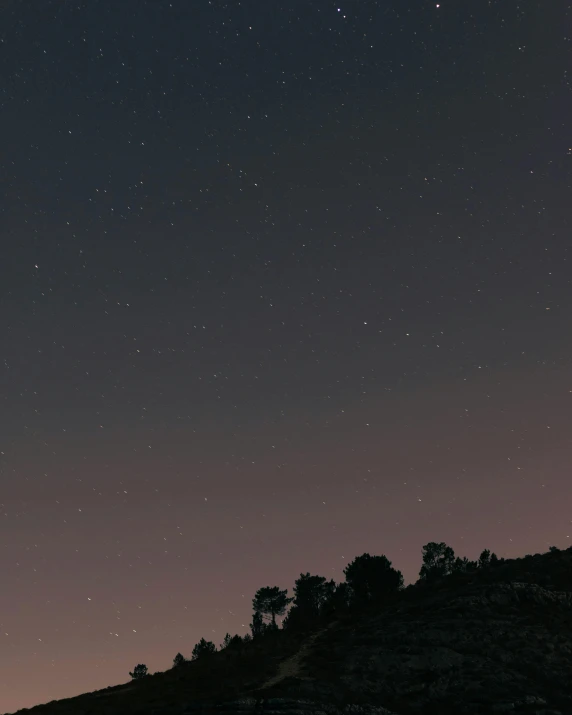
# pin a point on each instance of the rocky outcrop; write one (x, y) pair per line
(489, 649)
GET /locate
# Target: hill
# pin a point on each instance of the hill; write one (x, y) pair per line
(492, 641)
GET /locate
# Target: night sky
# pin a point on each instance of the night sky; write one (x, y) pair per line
(281, 282)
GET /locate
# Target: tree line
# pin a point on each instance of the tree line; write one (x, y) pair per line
(369, 581)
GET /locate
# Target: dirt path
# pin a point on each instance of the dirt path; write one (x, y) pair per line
(292, 665)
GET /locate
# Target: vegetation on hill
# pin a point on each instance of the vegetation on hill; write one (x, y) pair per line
(327, 627)
(370, 582)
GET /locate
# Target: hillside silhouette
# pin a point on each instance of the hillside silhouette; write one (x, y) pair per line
(486, 636)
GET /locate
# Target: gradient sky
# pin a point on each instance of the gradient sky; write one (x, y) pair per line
(280, 283)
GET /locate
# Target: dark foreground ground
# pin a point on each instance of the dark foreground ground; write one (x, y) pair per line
(499, 641)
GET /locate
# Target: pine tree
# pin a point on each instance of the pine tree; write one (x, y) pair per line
(484, 559)
(438, 561)
(203, 649)
(178, 660)
(270, 601)
(372, 579)
(140, 671)
(257, 626)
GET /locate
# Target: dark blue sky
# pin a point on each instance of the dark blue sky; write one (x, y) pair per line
(279, 284)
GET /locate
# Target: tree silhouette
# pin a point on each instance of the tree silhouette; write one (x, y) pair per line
(311, 595)
(338, 600)
(463, 565)
(484, 559)
(270, 601)
(139, 671)
(203, 649)
(372, 578)
(257, 626)
(369, 580)
(235, 642)
(178, 660)
(438, 561)
(311, 592)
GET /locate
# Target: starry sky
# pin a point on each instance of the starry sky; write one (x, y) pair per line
(280, 283)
